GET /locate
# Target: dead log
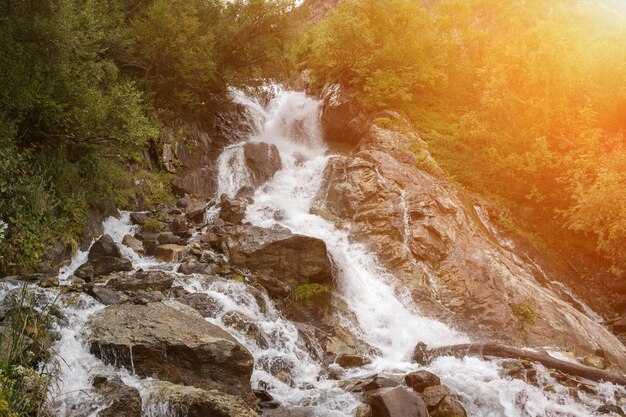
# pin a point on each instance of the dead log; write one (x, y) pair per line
(423, 355)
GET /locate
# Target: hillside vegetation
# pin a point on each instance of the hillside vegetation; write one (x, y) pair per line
(85, 85)
(523, 101)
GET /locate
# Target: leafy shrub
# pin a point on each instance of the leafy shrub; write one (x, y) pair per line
(305, 291)
(153, 225)
(24, 378)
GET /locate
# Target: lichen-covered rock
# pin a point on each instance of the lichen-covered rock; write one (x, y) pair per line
(142, 280)
(172, 342)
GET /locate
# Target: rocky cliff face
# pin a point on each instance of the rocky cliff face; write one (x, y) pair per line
(430, 235)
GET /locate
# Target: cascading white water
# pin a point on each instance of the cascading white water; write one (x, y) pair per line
(383, 320)
(382, 316)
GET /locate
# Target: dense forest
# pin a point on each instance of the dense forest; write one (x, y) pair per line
(85, 86)
(521, 101)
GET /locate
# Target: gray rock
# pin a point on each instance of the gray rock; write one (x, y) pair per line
(199, 182)
(232, 210)
(346, 360)
(262, 160)
(124, 400)
(395, 402)
(291, 258)
(138, 218)
(107, 296)
(142, 280)
(433, 395)
(104, 247)
(202, 303)
(450, 406)
(186, 401)
(420, 380)
(172, 342)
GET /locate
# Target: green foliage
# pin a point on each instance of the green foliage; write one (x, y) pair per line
(24, 340)
(524, 102)
(81, 82)
(385, 51)
(525, 313)
(153, 225)
(306, 291)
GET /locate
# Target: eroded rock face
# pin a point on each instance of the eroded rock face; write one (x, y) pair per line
(342, 120)
(172, 342)
(431, 238)
(199, 182)
(262, 160)
(291, 258)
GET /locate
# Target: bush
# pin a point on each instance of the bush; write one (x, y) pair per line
(24, 340)
(306, 291)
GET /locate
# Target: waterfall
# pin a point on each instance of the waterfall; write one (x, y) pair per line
(379, 314)
(383, 319)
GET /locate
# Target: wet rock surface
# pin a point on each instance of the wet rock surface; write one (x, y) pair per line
(431, 238)
(262, 160)
(395, 402)
(186, 401)
(172, 342)
(291, 258)
(124, 401)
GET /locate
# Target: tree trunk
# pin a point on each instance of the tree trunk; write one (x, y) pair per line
(424, 356)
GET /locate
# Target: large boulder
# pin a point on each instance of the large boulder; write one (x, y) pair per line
(294, 259)
(172, 342)
(186, 401)
(104, 247)
(342, 119)
(262, 160)
(104, 258)
(395, 402)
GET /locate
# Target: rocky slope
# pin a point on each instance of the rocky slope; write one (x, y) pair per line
(430, 235)
(223, 306)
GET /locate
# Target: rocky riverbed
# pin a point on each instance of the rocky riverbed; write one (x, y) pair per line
(296, 282)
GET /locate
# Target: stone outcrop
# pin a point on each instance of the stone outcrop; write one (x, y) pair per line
(291, 258)
(432, 239)
(172, 342)
(342, 119)
(199, 182)
(262, 160)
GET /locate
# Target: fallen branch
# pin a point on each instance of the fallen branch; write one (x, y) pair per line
(423, 355)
